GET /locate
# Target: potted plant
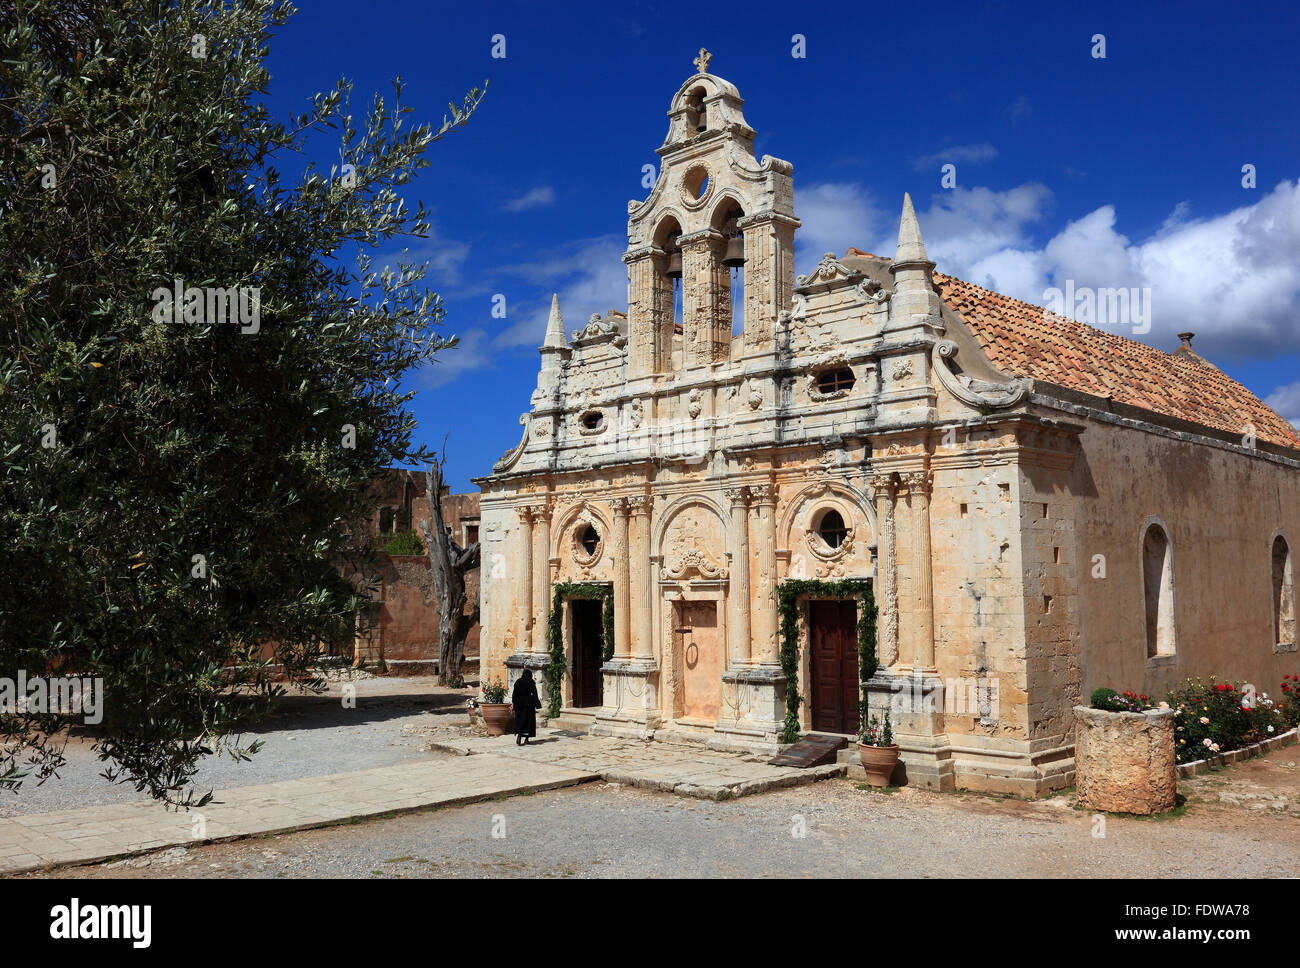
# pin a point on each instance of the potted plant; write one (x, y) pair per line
(495, 709)
(878, 751)
(471, 708)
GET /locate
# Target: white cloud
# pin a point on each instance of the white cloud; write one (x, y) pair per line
(1233, 279)
(536, 198)
(1286, 401)
(590, 278)
(446, 259)
(835, 216)
(471, 353)
(957, 154)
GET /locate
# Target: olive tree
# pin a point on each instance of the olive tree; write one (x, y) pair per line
(199, 369)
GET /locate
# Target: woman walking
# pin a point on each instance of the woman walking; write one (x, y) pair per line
(526, 705)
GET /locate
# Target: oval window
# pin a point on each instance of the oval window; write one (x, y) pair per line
(590, 539)
(832, 529)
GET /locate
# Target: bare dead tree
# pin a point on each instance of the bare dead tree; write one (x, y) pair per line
(448, 565)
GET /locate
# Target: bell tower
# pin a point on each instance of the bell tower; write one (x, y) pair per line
(713, 209)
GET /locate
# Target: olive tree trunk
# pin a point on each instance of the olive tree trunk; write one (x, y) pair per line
(448, 565)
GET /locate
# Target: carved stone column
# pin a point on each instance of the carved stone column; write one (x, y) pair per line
(763, 501)
(524, 605)
(918, 484)
(642, 584)
(769, 274)
(622, 581)
(706, 299)
(739, 590)
(886, 569)
(541, 573)
(650, 312)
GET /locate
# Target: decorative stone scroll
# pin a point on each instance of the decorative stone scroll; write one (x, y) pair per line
(974, 393)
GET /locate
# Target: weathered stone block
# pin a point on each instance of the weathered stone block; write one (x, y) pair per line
(1124, 762)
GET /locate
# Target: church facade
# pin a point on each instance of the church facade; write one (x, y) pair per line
(756, 503)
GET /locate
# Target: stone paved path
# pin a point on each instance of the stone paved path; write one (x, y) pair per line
(96, 833)
(686, 769)
(488, 767)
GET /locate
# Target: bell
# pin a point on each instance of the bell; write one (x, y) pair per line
(674, 270)
(734, 256)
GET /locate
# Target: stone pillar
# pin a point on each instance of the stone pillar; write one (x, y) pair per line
(738, 593)
(642, 583)
(524, 591)
(541, 574)
(763, 500)
(622, 581)
(704, 281)
(886, 569)
(918, 484)
(650, 312)
(769, 274)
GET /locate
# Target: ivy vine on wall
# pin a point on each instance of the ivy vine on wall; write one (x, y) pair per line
(789, 593)
(555, 633)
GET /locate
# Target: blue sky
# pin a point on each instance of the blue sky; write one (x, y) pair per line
(1122, 171)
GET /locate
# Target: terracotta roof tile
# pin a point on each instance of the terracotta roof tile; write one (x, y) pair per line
(1024, 340)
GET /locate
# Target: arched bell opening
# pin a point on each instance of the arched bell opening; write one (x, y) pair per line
(727, 222)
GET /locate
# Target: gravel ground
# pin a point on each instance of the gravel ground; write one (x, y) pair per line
(310, 736)
(604, 830)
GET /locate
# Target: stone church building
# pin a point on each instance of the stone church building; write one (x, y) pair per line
(763, 474)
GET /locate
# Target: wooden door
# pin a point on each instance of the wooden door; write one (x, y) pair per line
(587, 648)
(833, 655)
(701, 661)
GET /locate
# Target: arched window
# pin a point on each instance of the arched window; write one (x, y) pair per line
(831, 528)
(726, 220)
(1158, 585)
(1283, 596)
(697, 114)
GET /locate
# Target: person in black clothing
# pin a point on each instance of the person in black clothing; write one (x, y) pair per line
(526, 705)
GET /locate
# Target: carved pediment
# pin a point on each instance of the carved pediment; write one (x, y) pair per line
(697, 561)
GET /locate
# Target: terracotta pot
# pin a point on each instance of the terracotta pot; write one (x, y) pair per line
(496, 716)
(879, 762)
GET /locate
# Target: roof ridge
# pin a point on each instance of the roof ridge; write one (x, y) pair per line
(1063, 320)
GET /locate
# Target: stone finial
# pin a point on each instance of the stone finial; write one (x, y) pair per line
(1186, 340)
(910, 246)
(701, 61)
(555, 326)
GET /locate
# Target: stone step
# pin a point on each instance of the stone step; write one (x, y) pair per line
(572, 721)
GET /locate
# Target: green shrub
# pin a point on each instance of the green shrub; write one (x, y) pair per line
(1289, 706)
(403, 543)
(1102, 698)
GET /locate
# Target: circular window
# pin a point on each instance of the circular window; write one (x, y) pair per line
(592, 420)
(695, 186)
(589, 539)
(832, 529)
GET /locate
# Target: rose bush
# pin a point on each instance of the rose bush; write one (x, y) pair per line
(1215, 717)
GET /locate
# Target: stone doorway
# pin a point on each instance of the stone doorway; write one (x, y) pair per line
(587, 623)
(833, 665)
(697, 645)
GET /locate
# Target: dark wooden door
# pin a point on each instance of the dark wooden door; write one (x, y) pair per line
(587, 649)
(833, 651)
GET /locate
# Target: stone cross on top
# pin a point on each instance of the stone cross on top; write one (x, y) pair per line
(702, 61)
